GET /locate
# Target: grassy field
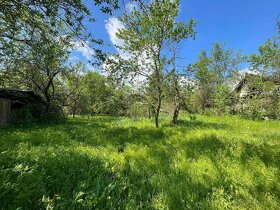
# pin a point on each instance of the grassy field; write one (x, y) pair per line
(120, 163)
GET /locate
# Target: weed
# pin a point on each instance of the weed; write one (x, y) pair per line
(119, 163)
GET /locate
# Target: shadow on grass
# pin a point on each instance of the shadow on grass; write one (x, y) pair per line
(267, 153)
(207, 145)
(93, 132)
(77, 130)
(198, 124)
(72, 176)
(65, 179)
(147, 177)
(102, 131)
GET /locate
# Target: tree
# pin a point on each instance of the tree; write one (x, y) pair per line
(205, 79)
(72, 89)
(97, 93)
(215, 75)
(173, 87)
(38, 69)
(22, 21)
(267, 61)
(148, 34)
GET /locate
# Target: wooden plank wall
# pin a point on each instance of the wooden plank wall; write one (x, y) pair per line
(5, 110)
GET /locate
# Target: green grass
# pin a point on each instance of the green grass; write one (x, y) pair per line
(120, 163)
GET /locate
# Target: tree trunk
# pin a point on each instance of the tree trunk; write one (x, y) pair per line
(157, 112)
(175, 115)
(74, 110)
(47, 102)
(176, 100)
(149, 112)
(157, 116)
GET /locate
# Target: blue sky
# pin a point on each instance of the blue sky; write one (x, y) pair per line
(240, 24)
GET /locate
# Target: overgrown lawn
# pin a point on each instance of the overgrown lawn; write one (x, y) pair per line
(120, 163)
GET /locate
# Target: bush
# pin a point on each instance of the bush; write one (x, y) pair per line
(137, 109)
(253, 109)
(54, 115)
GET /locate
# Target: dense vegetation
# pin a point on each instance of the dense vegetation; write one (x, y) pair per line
(111, 163)
(127, 144)
(143, 78)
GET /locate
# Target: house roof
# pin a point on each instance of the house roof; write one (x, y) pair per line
(247, 78)
(251, 77)
(20, 96)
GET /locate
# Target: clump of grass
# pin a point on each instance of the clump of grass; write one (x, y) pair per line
(119, 163)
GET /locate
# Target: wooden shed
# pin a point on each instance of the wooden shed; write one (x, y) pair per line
(12, 100)
(5, 110)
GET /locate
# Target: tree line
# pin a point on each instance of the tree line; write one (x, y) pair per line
(144, 79)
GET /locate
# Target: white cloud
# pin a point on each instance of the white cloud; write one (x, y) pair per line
(134, 80)
(73, 59)
(112, 26)
(84, 48)
(249, 71)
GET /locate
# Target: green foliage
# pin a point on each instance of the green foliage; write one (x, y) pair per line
(118, 163)
(138, 109)
(101, 96)
(23, 22)
(265, 104)
(149, 35)
(215, 74)
(268, 58)
(260, 108)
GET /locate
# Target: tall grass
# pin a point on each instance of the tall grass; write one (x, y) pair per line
(120, 163)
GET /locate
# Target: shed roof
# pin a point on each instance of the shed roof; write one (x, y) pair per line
(20, 96)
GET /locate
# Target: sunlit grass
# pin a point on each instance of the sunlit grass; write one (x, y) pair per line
(111, 163)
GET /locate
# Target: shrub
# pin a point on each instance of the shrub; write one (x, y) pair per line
(137, 109)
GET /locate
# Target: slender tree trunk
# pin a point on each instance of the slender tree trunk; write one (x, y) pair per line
(157, 116)
(74, 109)
(74, 112)
(149, 112)
(175, 80)
(157, 111)
(158, 99)
(176, 115)
(177, 104)
(48, 101)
